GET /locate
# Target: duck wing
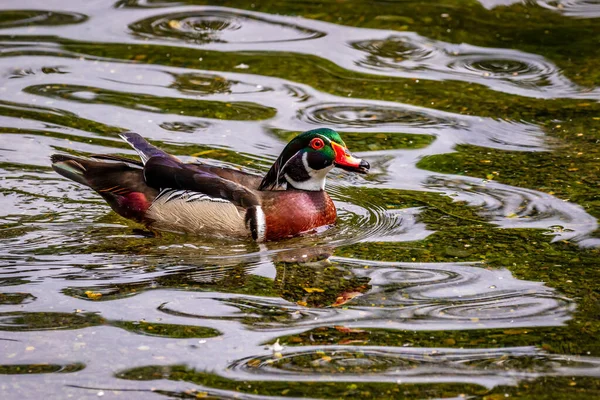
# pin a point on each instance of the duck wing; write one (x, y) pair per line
(167, 173)
(164, 171)
(199, 192)
(246, 179)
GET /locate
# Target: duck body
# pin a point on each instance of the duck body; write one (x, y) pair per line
(166, 194)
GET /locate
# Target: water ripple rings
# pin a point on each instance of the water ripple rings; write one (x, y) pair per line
(391, 53)
(341, 363)
(512, 207)
(220, 26)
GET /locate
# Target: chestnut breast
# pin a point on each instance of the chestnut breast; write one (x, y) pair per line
(291, 212)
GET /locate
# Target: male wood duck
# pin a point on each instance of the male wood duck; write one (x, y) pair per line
(166, 194)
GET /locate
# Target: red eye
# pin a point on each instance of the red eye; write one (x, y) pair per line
(317, 143)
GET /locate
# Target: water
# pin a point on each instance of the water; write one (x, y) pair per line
(465, 265)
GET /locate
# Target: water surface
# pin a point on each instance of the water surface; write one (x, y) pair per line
(465, 265)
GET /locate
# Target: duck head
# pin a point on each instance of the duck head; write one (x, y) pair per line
(306, 160)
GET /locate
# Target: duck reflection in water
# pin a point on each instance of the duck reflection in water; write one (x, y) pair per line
(307, 277)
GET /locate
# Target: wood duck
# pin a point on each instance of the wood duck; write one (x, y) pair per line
(166, 194)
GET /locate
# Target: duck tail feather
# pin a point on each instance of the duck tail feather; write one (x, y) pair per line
(142, 147)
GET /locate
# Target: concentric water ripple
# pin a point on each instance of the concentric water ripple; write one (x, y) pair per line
(348, 116)
(206, 84)
(400, 295)
(521, 71)
(343, 363)
(405, 54)
(409, 52)
(213, 26)
(510, 207)
(375, 117)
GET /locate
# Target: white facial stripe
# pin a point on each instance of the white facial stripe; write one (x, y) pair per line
(317, 178)
(261, 225)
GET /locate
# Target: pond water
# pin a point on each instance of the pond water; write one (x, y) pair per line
(465, 265)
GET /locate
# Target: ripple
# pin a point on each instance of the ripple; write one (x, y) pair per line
(368, 222)
(394, 52)
(367, 115)
(336, 363)
(573, 8)
(216, 26)
(397, 295)
(330, 362)
(508, 70)
(534, 363)
(462, 293)
(20, 18)
(529, 72)
(205, 84)
(514, 207)
(187, 127)
(359, 116)
(255, 312)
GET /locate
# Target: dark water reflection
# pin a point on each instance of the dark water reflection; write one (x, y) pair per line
(464, 265)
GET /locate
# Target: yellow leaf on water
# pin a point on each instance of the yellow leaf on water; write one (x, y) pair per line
(92, 295)
(254, 363)
(174, 24)
(313, 289)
